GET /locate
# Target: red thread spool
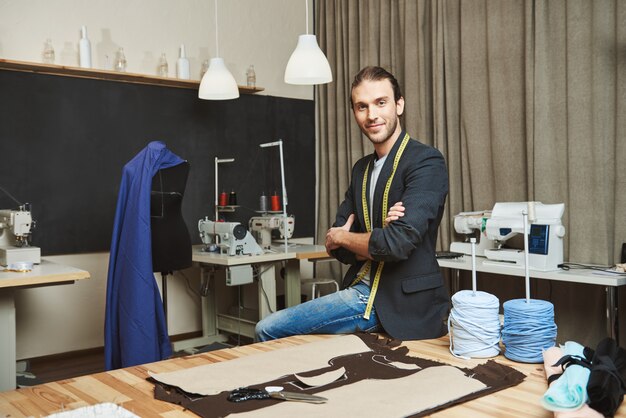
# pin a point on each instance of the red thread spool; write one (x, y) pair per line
(275, 203)
(223, 201)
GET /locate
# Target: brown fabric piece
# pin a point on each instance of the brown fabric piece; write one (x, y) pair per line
(250, 370)
(359, 367)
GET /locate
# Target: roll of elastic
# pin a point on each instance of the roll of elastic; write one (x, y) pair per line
(474, 324)
(529, 329)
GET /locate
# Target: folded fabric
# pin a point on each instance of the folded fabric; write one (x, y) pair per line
(568, 391)
(550, 357)
(606, 385)
(572, 348)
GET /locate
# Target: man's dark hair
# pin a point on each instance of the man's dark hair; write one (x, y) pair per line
(372, 73)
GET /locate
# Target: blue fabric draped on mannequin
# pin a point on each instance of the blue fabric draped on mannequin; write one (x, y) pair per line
(135, 330)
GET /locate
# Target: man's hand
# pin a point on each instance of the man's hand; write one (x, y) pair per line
(395, 213)
(334, 235)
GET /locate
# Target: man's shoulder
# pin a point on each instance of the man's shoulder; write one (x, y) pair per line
(362, 162)
(418, 147)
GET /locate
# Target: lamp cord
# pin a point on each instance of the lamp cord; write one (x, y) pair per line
(217, 47)
(306, 14)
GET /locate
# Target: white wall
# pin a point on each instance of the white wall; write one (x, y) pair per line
(259, 32)
(58, 319)
(65, 318)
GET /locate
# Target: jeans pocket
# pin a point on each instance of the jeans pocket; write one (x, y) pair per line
(362, 292)
(363, 298)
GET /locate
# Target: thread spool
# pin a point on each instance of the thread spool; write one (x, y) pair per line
(223, 200)
(532, 215)
(264, 203)
(275, 202)
(232, 198)
(474, 324)
(528, 330)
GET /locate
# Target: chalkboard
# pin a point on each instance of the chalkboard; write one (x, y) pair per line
(65, 140)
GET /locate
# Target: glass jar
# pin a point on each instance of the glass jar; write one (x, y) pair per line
(120, 61)
(251, 77)
(162, 68)
(48, 52)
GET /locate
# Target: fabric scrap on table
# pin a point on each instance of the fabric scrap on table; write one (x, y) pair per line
(387, 380)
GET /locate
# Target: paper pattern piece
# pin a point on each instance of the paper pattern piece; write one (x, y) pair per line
(212, 379)
(381, 398)
(322, 379)
(385, 380)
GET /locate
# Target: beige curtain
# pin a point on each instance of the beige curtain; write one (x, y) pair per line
(526, 100)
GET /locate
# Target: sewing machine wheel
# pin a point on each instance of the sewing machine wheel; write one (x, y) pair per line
(239, 231)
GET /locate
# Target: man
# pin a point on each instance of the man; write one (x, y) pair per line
(394, 283)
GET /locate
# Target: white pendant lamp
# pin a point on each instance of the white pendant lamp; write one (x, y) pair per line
(218, 83)
(308, 64)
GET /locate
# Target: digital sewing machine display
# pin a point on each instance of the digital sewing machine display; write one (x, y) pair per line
(537, 239)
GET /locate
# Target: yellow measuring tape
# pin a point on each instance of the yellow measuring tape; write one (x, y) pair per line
(368, 225)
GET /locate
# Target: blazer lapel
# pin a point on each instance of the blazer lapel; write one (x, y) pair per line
(377, 216)
(358, 188)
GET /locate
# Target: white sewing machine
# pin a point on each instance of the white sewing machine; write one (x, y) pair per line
(15, 228)
(262, 227)
(545, 238)
(472, 225)
(234, 239)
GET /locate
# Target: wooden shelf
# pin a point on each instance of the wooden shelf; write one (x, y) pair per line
(61, 70)
(227, 208)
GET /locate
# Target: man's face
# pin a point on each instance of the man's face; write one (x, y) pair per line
(375, 110)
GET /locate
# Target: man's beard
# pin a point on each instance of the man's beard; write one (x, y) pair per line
(392, 129)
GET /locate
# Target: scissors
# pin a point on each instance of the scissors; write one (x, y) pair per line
(244, 394)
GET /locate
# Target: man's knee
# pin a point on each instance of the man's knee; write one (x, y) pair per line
(261, 330)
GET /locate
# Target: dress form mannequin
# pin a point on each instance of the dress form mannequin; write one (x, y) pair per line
(171, 244)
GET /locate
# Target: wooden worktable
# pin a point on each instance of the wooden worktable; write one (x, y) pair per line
(129, 387)
(43, 274)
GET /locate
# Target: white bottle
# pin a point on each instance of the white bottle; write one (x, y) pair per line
(182, 65)
(84, 47)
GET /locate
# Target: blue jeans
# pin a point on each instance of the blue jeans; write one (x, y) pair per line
(338, 313)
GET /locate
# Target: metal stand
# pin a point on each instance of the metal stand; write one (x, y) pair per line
(612, 323)
(7, 341)
(164, 291)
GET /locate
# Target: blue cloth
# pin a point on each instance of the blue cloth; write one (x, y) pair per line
(573, 348)
(338, 313)
(569, 392)
(135, 330)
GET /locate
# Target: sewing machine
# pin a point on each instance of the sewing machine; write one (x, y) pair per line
(545, 238)
(262, 227)
(472, 225)
(15, 229)
(234, 239)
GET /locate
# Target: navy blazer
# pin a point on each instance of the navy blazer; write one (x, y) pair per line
(412, 301)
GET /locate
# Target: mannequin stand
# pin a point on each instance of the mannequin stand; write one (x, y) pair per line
(164, 293)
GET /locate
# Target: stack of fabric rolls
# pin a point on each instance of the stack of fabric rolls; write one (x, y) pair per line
(584, 382)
